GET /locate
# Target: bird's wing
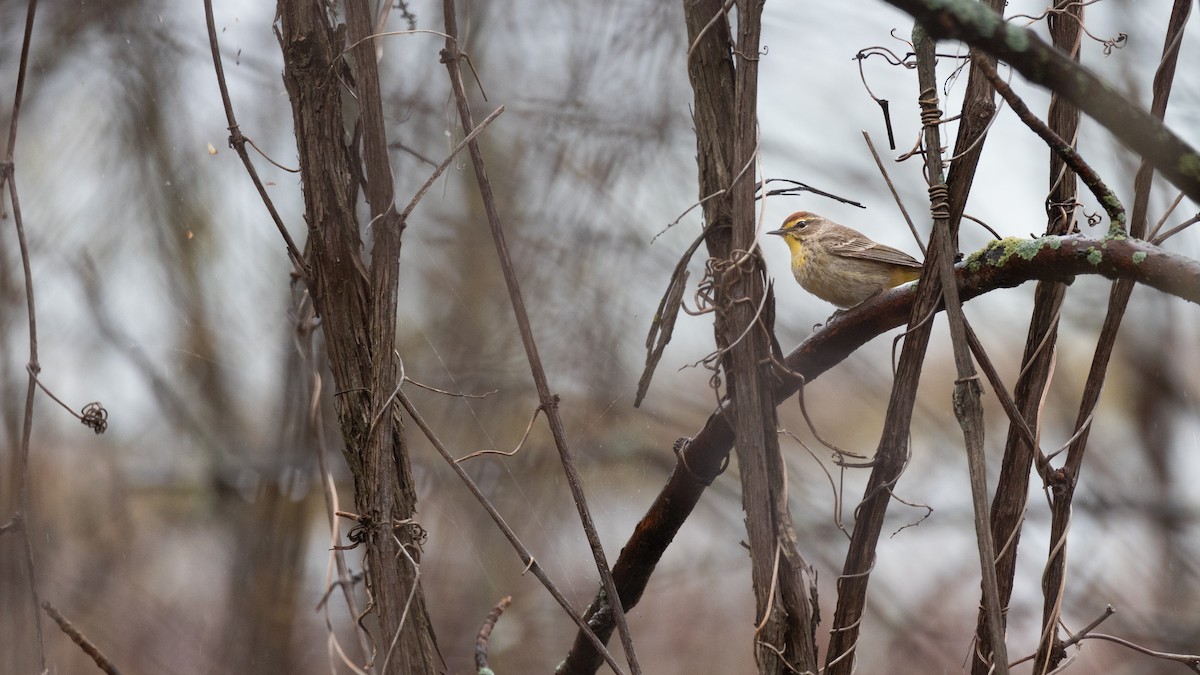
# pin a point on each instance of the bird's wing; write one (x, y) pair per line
(868, 250)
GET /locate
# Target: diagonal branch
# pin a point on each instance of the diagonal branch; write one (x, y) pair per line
(527, 558)
(549, 401)
(1060, 146)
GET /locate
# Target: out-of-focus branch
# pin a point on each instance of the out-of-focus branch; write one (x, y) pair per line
(1040, 63)
(80, 639)
(485, 632)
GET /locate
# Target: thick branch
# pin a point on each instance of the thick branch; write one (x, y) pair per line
(357, 311)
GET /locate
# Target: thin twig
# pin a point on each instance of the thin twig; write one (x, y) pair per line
(1163, 219)
(412, 593)
(520, 444)
(80, 639)
(1108, 611)
(895, 195)
(268, 158)
(446, 162)
(1159, 239)
(1192, 661)
(1006, 402)
(708, 26)
(391, 33)
(427, 387)
(238, 142)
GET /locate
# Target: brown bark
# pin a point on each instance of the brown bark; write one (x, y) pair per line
(726, 126)
(358, 311)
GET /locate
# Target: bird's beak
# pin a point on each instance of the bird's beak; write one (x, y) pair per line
(778, 232)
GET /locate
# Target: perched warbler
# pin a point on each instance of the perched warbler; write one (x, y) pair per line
(841, 265)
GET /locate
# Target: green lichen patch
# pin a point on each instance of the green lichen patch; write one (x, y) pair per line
(997, 253)
(975, 15)
(1094, 256)
(1189, 165)
(1139, 257)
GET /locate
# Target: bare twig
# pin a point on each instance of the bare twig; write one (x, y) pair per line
(268, 158)
(520, 444)
(444, 392)
(1006, 401)
(796, 188)
(1160, 238)
(80, 639)
(1192, 661)
(391, 33)
(93, 415)
(402, 550)
(895, 195)
(718, 16)
(1152, 236)
(1109, 610)
(485, 632)
(446, 162)
(238, 142)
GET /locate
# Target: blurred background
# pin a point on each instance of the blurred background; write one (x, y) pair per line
(193, 537)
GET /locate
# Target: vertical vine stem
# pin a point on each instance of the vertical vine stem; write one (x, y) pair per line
(968, 407)
(8, 175)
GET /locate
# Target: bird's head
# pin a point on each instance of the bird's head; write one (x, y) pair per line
(798, 226)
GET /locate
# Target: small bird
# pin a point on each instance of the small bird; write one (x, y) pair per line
(841, 265)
